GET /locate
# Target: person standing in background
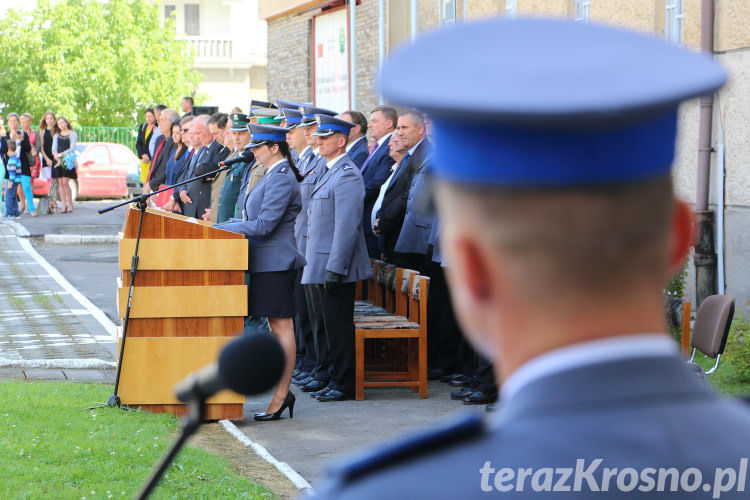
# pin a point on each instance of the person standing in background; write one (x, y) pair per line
(145, 131)
(65, 154)
(46, 132)
(24, 148)
(187, 106)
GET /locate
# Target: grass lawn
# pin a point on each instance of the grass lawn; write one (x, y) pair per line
(51, 448)
(729, 378)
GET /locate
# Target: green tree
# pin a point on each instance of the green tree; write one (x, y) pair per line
(98, 63)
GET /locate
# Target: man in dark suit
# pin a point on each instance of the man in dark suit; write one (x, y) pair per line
(158, 173)
(376, 169)
(198, 193)
(356, 148)
(390, 218)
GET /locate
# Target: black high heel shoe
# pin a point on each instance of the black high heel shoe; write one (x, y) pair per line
(288, 402)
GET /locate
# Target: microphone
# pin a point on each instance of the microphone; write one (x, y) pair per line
(246, 156)
(249, 365)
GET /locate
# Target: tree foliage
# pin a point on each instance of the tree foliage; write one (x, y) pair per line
(98, 63)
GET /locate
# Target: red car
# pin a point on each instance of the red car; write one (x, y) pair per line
(103, 169)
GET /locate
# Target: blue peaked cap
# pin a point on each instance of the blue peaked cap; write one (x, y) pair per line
(292, 117)
(309, 113)
(329, 125)
(543, 102)
(262, 134)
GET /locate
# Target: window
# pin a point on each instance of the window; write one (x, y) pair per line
(510, 8)
(447, 13)
(673, 21)
(582, 10)
(192, 19)
(122, 155)
(169, 11)
(98, 155)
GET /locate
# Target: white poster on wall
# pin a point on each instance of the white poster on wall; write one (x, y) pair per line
(331, 61)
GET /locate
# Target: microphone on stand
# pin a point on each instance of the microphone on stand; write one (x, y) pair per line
(252, 364)
(249, 365)
(247, 156)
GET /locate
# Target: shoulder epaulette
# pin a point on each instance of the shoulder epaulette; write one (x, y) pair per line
(426, 442)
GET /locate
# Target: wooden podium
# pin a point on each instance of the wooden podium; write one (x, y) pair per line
(189, 300)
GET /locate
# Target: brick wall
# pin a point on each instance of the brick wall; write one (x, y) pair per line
(289, 68)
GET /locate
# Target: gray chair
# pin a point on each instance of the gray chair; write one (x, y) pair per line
(712, 322)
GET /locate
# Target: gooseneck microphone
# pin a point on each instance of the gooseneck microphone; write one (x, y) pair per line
(252, 364)
(247, 156)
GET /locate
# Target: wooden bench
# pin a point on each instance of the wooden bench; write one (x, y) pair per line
(403, 295)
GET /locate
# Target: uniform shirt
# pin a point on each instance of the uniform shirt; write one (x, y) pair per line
(330, 163)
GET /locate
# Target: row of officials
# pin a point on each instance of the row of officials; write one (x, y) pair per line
(318, 197)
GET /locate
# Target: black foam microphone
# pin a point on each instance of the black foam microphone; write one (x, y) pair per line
(247, 156)
(249, 365)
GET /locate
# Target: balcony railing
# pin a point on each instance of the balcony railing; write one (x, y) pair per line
(211, 49)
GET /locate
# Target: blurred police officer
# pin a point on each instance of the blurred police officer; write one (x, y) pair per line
(336, 252)
(561, 229)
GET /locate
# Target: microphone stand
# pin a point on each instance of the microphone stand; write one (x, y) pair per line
(141, 202)
(197, 407)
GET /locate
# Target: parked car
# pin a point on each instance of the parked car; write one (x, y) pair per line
(105, 170)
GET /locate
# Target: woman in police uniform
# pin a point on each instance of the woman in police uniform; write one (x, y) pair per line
(267, 220)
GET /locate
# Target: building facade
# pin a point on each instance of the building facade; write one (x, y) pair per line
(382, 25)
(229, 46)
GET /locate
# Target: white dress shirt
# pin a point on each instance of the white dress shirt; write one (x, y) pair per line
(381, 195)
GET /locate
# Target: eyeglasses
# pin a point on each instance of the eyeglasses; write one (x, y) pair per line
(184, 130)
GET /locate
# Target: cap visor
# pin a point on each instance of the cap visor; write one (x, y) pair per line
(323, 133)
(254, 144)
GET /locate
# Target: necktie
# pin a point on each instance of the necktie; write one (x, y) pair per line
(153, 160)
(401, 166)
(367, 161)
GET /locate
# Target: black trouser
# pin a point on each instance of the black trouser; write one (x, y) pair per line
(485, 376)
(306, 357)
(338, 315)
(443, 333)
(322, 371)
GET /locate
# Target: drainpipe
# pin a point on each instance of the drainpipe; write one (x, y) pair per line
(381, 37)
(705, 253)
(353, 54)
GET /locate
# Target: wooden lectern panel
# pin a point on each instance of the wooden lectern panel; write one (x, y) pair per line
(185, 267)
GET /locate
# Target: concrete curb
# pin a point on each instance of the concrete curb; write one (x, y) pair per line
(80, 239)
(60, 364)
(300, 482)
(18, 229)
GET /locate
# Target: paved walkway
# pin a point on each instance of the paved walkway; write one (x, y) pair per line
(48, 329)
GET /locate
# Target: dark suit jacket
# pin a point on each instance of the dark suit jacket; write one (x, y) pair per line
(200, 191)
(359, 153)
(393, 209)
(25, 149)
(159, 163)
(141, 145)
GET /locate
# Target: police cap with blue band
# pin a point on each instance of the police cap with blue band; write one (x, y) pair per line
(329, 125)
(263, 134)
(261, 104)
(309, 113)
(292, 116)
(563, 104)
